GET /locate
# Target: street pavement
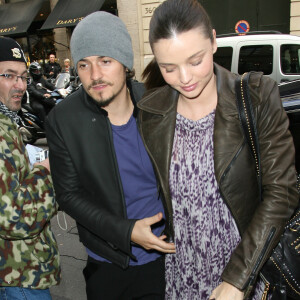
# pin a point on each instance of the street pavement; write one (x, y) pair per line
(73, 259)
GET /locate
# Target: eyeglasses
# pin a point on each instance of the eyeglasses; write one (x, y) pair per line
(12, 77)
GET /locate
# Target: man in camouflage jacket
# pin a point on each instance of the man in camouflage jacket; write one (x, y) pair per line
(29, 260)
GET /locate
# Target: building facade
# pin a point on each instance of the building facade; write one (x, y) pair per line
(136, 14)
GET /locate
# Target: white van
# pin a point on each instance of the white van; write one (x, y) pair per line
(276, 55)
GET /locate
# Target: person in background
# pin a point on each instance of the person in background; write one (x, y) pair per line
(52, 68)
(222, 232)
(67, 65)
(68, 68)
(108, 185)
(40, 92)
(29, 259)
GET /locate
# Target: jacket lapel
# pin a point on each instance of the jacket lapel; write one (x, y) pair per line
(159, 118)
(157, 125)
(228, 136)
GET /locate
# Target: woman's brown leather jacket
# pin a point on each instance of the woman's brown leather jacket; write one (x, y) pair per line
(260, 223)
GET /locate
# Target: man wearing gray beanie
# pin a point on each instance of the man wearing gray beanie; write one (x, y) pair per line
(102, 174)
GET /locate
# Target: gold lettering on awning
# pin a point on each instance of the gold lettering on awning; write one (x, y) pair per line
(69, 21)
(6, 30)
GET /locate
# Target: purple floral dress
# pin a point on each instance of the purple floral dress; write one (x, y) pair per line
(205, 231)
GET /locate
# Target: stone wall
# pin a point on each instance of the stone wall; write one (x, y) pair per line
(136, 14)
(128, 11)
(295, 17)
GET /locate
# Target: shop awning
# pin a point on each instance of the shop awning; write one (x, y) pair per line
(17, 17)
(70, 12)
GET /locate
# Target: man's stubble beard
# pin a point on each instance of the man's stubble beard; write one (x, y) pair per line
(105, 102)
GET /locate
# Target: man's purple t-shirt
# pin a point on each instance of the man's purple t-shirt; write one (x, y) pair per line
(139, 184)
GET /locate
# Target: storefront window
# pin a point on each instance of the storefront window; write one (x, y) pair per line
(37, 48)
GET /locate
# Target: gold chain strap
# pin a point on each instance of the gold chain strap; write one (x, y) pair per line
(249, 128)
(286, 279)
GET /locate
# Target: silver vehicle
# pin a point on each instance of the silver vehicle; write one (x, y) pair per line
(276, 55)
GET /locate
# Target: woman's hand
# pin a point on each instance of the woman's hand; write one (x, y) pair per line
(226, 291)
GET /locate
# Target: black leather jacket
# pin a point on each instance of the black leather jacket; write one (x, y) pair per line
(52, 67)
(86, 176)
(260, 223)
(37, 94)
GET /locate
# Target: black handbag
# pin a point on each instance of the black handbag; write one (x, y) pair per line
(281, 272)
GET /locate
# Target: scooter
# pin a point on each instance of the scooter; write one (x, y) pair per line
(55, 95)
(30, 126)
(66, 84)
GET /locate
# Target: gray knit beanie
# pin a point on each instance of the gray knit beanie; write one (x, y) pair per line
(102, 34)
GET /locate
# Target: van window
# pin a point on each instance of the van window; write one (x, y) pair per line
(290, 58)
(256, 58)
(223, 57)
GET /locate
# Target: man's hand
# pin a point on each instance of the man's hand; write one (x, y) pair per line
(143, 236)
(45, 163)
(226, 291)
(47, 95)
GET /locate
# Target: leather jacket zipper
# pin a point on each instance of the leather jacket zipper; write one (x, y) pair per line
(234, 158)
(222, 195)
(249, 285)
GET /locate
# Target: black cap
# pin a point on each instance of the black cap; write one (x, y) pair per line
(10, 50)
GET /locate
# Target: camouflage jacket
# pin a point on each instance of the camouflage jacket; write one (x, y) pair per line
(28, 250)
